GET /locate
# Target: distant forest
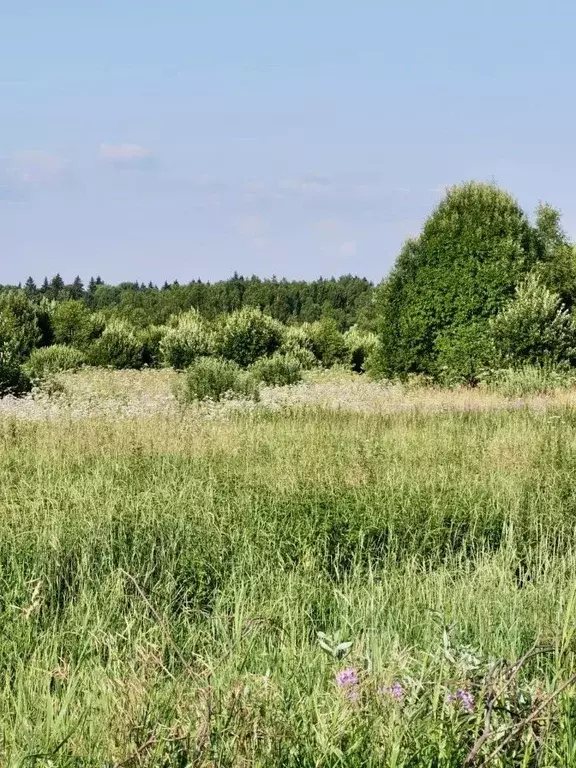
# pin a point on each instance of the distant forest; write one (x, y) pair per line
(346, 299)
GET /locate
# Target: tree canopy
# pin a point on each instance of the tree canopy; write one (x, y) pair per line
(473, 251)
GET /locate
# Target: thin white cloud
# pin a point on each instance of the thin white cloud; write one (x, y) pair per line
(125, 155)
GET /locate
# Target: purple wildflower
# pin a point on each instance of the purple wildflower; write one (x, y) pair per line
(347, 677)
(396, 691)
(463, 698)
(466, 700)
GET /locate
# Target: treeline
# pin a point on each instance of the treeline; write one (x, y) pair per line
(42, 336)
(345, 299)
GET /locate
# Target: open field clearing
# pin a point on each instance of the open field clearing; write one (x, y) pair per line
(165, 578)
(107, 393)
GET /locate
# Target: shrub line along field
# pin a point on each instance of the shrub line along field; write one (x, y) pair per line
(328, 585)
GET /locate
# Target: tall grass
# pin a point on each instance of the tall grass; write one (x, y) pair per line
(164, 581)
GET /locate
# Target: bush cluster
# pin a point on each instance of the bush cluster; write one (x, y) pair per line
(119, 346)
(212, 378)
(187, 340)
(246, 335)
(13, 378)
(39, 340)
(46, 361)
(361, 347)
(279, 370)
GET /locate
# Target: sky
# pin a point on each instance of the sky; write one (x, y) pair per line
(176, 139)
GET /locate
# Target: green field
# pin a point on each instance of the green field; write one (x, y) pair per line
(165, 575)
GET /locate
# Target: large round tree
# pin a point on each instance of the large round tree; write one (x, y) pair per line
(474, 249)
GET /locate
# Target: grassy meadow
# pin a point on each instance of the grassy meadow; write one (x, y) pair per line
(165, 575)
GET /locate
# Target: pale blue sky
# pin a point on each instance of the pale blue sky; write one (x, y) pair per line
(178, 139)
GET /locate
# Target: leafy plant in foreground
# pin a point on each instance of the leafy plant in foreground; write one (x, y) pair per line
(334, 645)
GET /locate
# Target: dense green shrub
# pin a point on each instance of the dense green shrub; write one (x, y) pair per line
(278, 370)
(44, 310)
(19, 323)
(46, 361)
(212, 378)
(118, 347)
(13, 379)
(534, 328)
(13, 343)
(474, 249)
(151, 338)
(305, 357)
(298, 344)
(557, 257)
(188, 339)
(297, 337)
(327, 342)
(321, 339)
(247, 334)
(74, 324)
(465, 353)
(360, 346)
